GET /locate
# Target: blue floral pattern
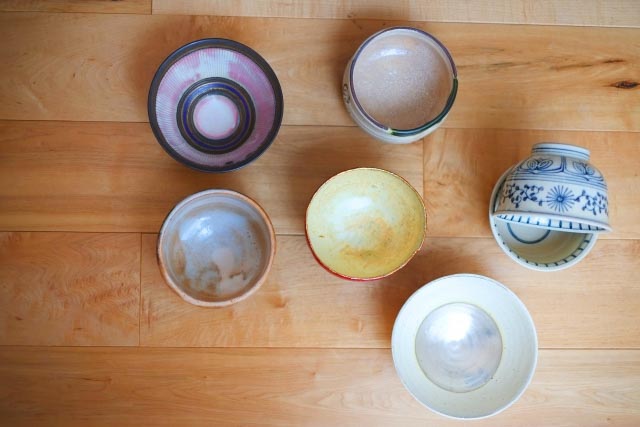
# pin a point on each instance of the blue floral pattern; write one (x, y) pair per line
(595, 204)
(517, 194)
(560, 199)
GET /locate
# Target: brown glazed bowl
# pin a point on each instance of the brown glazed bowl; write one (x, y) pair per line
(216, 248)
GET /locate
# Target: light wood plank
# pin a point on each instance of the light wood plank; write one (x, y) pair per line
(524, 77)
(618, 13)
(591, 305)
(69, 289)
(300, 305)
(116, 177)
(88, 6)
(129, 387)
(104, 177)
(463, 165)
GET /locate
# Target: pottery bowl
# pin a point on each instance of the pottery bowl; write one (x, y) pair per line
(535, 247)
(555, 188)
(366, 223)
(215, 105)
(216, 247)
(400, 84)
(465, 346)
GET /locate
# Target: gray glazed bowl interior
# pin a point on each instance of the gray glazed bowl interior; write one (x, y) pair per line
(216, 248)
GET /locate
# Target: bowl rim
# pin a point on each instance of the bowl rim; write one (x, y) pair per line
(425, 288)
(593, 236)
(206, 194)
(222, 43)
(438, 118)
(354, 278)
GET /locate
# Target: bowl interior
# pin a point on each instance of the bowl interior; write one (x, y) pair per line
(487, 335)
(215, 105)
(365, 223)
(215, 247)
(402, 78)
(542, 247)
(538, 247)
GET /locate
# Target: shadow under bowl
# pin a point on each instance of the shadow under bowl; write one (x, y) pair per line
(465, 346)
(366, 223)
(215, 105)
(534, 246)
(216, 247)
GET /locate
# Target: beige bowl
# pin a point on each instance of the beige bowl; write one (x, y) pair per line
(216, 247)
(364, 224)
(465, 346)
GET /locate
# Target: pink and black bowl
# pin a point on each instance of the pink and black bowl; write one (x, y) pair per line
(215, 105)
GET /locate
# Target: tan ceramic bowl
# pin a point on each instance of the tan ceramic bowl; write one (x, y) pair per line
(364, 224)
(216, 248)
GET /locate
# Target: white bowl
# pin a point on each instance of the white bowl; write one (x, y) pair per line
(465, 346)
(216, 248)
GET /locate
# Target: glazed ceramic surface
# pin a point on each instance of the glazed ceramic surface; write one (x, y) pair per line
(216, 247)
(537, 248)
(365, 223)
(465, 346)
(556, 188)
(400, 84)
(215, 105)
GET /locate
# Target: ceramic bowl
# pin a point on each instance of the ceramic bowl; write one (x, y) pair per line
(400, 84)
(215, 105)
(465, 346)
(216, 247)
(534, 247)
(546, 211)
(555, 188)
(364, 224)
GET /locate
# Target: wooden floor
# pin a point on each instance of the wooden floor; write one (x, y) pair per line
(91, 335)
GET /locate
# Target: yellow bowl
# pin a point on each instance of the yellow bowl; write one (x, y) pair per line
(364, 224)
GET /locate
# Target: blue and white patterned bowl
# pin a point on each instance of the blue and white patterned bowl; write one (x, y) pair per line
(535, 247)
(555, 188)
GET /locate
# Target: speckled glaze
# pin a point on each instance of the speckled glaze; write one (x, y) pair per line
(216, 247)
(215, 105)
(400, 84)
(364, 224)
(537, 248)
(465, 346)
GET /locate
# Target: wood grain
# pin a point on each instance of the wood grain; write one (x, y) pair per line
(523, 77)
(88, 6)
(69, 289)
(618, 13)
(301, 305)
(116, 177)
(276, 387)
(461, 167)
